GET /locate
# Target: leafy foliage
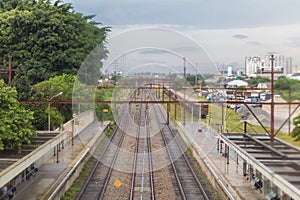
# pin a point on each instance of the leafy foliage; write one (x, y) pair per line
(283, 86)
(100, 95)
(296, 131)
(47, 39)
(253, 82)
(16, 122)
(195, 80)
(285, 83)
(23, 87)
(45, 91)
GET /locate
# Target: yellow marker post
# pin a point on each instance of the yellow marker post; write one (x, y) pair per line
(105, 110)
(118, 183)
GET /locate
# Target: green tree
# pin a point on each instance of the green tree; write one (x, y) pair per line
(48, 39)
(44, 91)
(16, 122)
(285, 83)
(23, 86)
(195, 80)
(102, 94)
(253, 82)
(296, 131)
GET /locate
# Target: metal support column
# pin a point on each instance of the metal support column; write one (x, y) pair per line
(245, 127)
(163, 94)
(184, 85)
(175, 111)
(244, 168)
(251, 174)
(266, 185)
(159, 92)
(289, 128)
(72, 136)
(168, 113)
(227, 154)
(192, 112)
(57, 154)
(9, 69)
(54, 152)
(272, 135)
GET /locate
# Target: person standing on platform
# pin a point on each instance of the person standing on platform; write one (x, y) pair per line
(10, 193)
(4, 191)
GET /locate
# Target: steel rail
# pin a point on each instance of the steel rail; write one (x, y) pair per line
(97, 164)
(190, 166)
(84, 187)
(182, 193)
(151, 179)
(150, 163)
(184, 156)
(101, 195)
(136, 149)
(151, 175)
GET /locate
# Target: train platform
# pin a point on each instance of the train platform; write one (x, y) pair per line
(39, 185)
(231, 175)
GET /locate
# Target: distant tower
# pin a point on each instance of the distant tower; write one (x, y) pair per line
(229, 71)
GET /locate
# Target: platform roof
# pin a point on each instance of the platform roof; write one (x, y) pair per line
(272, 159)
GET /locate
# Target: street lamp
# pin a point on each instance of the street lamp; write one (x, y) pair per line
(49, 108)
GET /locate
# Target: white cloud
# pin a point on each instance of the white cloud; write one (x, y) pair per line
(201, 13)
(270, 26)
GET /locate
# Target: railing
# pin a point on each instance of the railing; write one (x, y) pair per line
(18, 167)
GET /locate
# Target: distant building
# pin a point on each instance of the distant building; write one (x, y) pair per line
(227, 70)
(253, 65)
(240, 72)
(256, 66)
(264, 86)
(295, 69)
(236, 83)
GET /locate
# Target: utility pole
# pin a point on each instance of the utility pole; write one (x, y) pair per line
(9, 70)
(184, 85)
(272, 135)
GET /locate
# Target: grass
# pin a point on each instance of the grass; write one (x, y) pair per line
(232, 122)
(76, 186)
(286, 95)
(289, 139)
(203, 178)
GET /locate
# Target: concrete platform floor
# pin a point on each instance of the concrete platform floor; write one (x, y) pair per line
(232, 173)
(38, 185)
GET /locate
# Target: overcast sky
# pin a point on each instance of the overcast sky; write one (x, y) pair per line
(229, 30)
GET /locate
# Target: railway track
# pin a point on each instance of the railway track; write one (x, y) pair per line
(187, 181)
(142, 182)
(98, 179)
(142, 178)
